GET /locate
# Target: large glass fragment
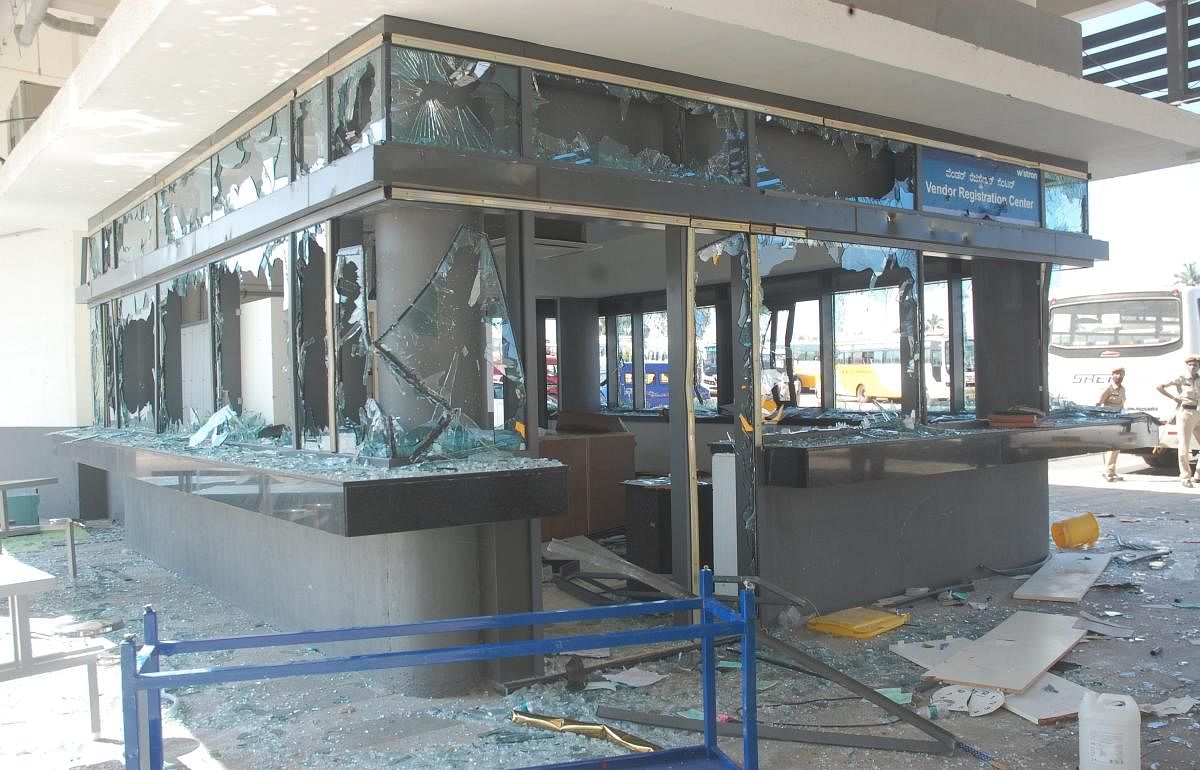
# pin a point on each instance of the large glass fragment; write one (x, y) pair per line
(255, 164)
(95, 255)
(312, 346)
(135, 232)
(252, 338)
(186, 204)
(587, 122)
(1064, 202)
(107, 254)
(357, 93)
(99, 350)
(811, 159)
(352, 338)
(446, 353)
(448, 101)
(310, 121)
(185, 397)
(135, 360)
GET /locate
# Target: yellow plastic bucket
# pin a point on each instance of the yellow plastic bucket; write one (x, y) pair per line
(1075, 532)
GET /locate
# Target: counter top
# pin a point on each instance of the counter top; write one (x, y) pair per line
(329, 492)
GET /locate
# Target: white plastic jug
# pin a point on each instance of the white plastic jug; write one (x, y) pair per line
(1109, 732)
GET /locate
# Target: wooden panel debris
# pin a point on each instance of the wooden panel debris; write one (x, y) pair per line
(1065, 578)
(1012, 655)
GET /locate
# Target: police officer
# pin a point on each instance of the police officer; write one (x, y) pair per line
(1187, 398)
(1114, 398)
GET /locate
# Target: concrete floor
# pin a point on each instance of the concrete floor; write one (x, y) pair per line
(363, 721)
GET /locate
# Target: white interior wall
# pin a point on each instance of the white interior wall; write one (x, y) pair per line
(266, 388)
(44, 358)
(195, 353)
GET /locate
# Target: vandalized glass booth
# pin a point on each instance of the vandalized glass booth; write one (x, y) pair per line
(425, 293)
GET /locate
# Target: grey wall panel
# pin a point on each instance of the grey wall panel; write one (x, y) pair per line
(837, 545)
(27, 453)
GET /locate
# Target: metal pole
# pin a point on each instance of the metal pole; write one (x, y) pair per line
(129, 705)
(708, 666)
(749, 680)
(153, 695)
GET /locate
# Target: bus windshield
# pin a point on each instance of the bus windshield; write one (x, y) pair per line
(1117, 322)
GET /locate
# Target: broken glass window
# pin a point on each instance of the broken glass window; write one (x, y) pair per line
(135, 232)
(255, 164)
(354, 384)
(446, 354)
(968, 343)
(587, 122)
(135, 360)
(1064, 201)
(311, 130)
(448, 101)
(185, 397)
(108, 335)
(312, 365)
(186, 204)
(95, 256)
(252, 339)
(811, 159)
(107, 255)
(357, 93)
(99, 349)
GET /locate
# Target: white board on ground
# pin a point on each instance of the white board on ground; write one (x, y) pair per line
(1065, 578)
(1013, 654)
(1049, 699)
(929, 654)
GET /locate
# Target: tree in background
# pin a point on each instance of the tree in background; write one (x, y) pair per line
(1189, 275)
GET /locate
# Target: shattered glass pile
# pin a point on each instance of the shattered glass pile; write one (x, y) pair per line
(586, 122)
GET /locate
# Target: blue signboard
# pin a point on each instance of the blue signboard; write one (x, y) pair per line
(965, 186)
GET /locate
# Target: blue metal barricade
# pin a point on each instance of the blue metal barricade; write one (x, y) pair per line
(142, 681)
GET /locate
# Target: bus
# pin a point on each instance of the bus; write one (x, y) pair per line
(870, 370)
(1146, 332)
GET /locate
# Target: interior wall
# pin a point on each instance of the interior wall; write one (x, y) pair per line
(653, 452)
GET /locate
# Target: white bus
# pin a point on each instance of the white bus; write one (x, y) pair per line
(1146, 332)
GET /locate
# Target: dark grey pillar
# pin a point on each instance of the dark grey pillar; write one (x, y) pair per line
(578, 354)
(1008, 306)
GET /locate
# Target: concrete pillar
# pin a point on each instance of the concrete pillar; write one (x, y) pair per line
(579, 354)
(410, 242)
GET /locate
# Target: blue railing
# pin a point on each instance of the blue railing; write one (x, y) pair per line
(142, 681)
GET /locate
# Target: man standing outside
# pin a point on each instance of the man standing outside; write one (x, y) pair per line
(1113, 397)
(1187, 389)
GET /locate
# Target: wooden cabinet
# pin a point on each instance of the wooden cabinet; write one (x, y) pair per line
(596, 463)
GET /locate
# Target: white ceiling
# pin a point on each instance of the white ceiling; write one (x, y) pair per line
(166, 73)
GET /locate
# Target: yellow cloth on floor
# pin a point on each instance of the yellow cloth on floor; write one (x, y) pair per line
(857, 622)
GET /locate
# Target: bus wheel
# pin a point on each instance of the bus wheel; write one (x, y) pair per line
(861, 393)
(1162, 457)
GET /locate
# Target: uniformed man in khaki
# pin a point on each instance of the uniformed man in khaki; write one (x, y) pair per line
(1187, 398)
(1114, 398)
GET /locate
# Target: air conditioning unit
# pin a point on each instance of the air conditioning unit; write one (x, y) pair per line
(28, 101)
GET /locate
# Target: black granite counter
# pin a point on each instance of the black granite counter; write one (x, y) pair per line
(330, 492)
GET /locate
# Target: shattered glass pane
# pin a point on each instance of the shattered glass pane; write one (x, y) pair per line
(736, 249)
(108, 335)
(586, 122)
(811, 159)
(968, 343)
(355, 380)
(135, 360)
(312, 366)
(357, 93)
(107, 255)
(135, 232)
(252, 339)
(186, 204)
(1064, 202)
(185, 381)
(448, 101)
(625, 361)
(99, 350)
(255, 164)
(311, 130)
(95, 256)
(446, 354)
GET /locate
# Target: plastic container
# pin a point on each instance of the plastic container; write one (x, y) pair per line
(1109, 732)
(1075, 532)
